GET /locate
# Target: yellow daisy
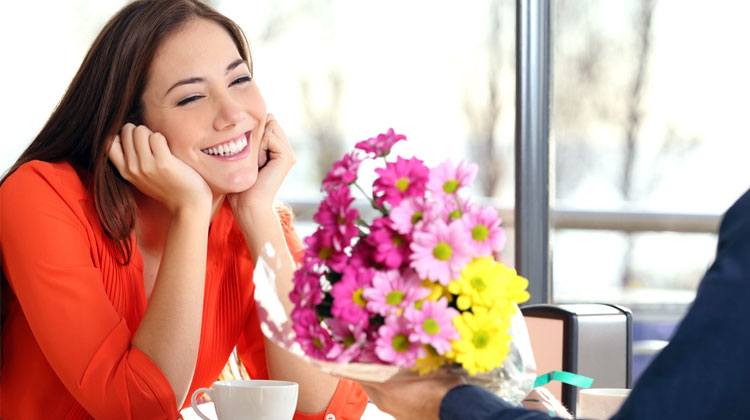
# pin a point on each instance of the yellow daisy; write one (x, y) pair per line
(485, 340)
(430, 362)
(488, 283)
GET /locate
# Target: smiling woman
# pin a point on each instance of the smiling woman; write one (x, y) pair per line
(130, 226)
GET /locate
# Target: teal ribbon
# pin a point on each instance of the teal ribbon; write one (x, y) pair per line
(569, 378)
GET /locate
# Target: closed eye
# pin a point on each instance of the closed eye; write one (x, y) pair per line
(239, 80)
(188, 100)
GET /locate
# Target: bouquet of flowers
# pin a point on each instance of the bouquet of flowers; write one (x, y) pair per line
(416, 286)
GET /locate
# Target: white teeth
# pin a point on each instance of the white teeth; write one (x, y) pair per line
(227, 149)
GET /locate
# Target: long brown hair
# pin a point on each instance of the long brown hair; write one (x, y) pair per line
(105, 94)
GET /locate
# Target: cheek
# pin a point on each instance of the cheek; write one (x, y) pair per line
(255, 102)
(182, 140)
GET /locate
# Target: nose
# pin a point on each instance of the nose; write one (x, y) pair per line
(229, 113)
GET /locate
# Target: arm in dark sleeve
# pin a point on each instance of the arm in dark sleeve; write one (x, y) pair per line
(702, 373)
(468, 402)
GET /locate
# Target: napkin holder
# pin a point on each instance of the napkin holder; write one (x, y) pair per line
(594, 340)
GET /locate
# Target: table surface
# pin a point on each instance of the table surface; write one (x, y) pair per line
(371, 413)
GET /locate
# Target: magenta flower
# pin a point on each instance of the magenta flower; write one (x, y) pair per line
(362, 254)
(349, 340)
(343, 172)
(486, 235)
(407, 214)
(307, 291)
(394, 346)
(439, 251)
(367, 353)
(391, 248)
(393, 291)
(399, 180)
(315, 340)
(337, 215)
(380, 145)
(323, 248)
(349, 304)
(447, 179)
(433, 324)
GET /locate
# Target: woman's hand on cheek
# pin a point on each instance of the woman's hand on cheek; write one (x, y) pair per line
(271, 174)
(143, 158)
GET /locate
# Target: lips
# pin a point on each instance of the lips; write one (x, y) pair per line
(228, 148)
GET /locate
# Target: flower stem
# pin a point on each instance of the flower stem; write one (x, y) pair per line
(371, 200)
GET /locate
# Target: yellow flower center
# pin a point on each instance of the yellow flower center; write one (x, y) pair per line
(400, 343)
(478, 284)
(358, 299)
(394, 298)
(325, 253)
(451, 186)
(397, 240)
(480, 233)
(317, 343)
(348, 341)
(402, 184)
(455, 214)
(430, 326)
(480, 339)
(416, 217)
(442, 251)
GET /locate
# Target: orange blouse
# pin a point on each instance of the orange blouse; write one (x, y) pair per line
(72, 310)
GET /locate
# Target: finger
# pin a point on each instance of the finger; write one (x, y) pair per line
(160, 147)
(128, 150)
(274, 138)
(115, 154)
(141, 136)
(273, 125)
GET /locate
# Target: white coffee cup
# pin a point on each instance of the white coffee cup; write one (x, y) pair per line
(600, 403)
(255, 399)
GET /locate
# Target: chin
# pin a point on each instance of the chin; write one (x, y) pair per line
(234, 184)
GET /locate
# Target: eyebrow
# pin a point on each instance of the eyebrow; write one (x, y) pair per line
(234, 64)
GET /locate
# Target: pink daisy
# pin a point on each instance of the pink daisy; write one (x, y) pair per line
(447, 208)
(349, 304)
(367, 353)
(315, 340)
(394, 346)
(400, 179)
(440, 251)
(433, 324)
(348, 339)
(392, 291)
(391, 248)
(307, 291)
(323, 248)
(336, 214)
(486, 235)
(448, 179)
(343, 172)
(380, 145)
(407, 214)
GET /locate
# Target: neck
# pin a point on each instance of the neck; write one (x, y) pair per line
(153, 219)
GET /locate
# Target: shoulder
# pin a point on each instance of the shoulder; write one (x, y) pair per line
(736, 221)
(37, 178)
(41, 192)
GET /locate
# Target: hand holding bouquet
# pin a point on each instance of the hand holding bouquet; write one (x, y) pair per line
(417, 286)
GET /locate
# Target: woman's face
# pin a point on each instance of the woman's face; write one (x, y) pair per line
(201, 96)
